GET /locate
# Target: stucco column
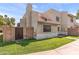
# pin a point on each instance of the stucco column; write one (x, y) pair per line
(28, 17)
(27, 28)
(28, 33)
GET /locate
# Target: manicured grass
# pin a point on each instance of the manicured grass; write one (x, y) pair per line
(31, 45)
(72, 37)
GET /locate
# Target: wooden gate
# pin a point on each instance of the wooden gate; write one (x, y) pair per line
(18, 33)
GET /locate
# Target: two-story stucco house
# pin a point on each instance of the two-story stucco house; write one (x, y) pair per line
(47, 24)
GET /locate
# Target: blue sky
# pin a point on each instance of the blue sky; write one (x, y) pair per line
(18, 9)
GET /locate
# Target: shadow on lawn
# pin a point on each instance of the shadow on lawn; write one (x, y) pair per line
(28, 41)
(2, 44)
(25, 42)
(19, 42)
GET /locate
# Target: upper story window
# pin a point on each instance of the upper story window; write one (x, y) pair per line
(46, 28)
(71, 19)
(57, 18)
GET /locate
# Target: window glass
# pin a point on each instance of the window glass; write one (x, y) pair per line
(46, 28)
(57, 18)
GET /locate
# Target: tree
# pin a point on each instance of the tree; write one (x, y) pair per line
(5, 16)
(5, 20)
(2, 22)
(12, 20)
(9, 21)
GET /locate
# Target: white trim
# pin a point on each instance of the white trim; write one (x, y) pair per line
(45, 35)
(62, 33)
(48, 35)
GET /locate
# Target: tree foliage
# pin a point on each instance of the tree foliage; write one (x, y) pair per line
(5, 20)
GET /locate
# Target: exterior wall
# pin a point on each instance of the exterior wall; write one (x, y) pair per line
(71, 24)
(28, 33)
(8, 33)
(28, 22)
(22, 22)
(51, 14)
(41, 35)
(45, 35)
(40, 28)
(66, 22)
(73, 31)
(35, 17)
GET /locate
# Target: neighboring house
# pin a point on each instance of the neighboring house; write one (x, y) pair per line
(47, 24)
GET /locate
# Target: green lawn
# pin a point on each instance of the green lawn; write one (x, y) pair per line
(72, 37)
(30, 46)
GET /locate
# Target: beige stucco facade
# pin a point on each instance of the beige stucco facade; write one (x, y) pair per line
(66, 21)
(36, 20)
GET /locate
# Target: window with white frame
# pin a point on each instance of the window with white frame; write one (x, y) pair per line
(46, 28)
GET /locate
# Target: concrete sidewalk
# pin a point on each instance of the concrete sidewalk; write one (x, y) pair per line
(68, 49)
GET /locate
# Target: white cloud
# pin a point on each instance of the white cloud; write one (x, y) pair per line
(73, 13)
(34, 6)
(37, 10)
(77, 21)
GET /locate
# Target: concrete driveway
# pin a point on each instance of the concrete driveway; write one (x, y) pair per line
(68, 49)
